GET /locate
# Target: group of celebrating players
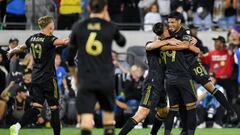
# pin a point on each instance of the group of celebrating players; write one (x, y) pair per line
(172, 59)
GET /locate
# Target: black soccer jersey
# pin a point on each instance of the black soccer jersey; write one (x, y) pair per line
(43, 52)
(176, 65)
(156, 67)
(92, 38)
(184, 35)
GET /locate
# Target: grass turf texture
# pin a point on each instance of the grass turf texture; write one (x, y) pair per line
(74, 131)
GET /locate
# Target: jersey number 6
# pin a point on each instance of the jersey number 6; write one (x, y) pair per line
(94, 47)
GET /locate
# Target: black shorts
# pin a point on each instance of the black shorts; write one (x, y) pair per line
(153, 96)
(183, 92)
(47, 90)
(199, 73)
(89, 94)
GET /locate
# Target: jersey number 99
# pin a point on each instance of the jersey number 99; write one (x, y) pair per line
(36, 51)
(93, 47)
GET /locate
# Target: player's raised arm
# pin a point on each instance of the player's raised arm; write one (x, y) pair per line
(60, 42)
(161, 43)
(176, 48)
(72, 53)
(119, 38)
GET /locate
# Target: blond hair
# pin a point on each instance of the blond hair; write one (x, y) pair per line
(44, 21)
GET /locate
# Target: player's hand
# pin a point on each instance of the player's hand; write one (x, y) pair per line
(66, 41)
(174, 41)
(193, 41)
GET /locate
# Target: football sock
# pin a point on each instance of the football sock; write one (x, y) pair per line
(129, 125)
(85, 132)
(55, 121)
(221, 99)
(109, 130)
(157, 123)
(169, 120)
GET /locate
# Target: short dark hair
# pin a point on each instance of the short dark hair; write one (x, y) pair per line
(97, 6)
(176, 15)
(13, 39)
(158, 28)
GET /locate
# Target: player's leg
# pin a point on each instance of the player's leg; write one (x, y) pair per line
(159, 119)
(183, 116)
(52, 96)
(218, 95)
(173, 110)
(201, 76)
(85, 103)
(174, 100)
(161, 114)
(31, 115)
(86, 124)
(146, 103)
(188, 94)
(106, 98)
(108, 122)
(140, 115)
(191, 118)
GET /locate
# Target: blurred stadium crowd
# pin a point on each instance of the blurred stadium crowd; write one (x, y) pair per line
(129, 14)
(130, 67)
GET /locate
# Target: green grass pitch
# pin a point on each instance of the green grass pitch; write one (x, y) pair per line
(74, 131)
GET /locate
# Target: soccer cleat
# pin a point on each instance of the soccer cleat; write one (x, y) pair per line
(183, 132)
(14, 129)
(202, 125)
(215, 125)
(233, 117)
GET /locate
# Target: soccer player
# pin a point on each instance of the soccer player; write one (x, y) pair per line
(44, 84)
(92, 38)
(198, 72)
(154, 93)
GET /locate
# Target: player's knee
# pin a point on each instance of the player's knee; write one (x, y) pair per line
(162, 112)
(143, 111)
(141, 114)
(87, 121)
(108, 118)
(209, 87)
(190, 106)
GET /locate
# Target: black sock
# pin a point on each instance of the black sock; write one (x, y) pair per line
(85, 132)
(55, 121)
(222, 99)
(183, 116)
(169, 121)
(109, 130)
(157, 123)
(29, 117)
(128, 126)
(191, 121)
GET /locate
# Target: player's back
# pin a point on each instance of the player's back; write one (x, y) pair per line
(93, 38)
(156, 67)
(43, 52)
